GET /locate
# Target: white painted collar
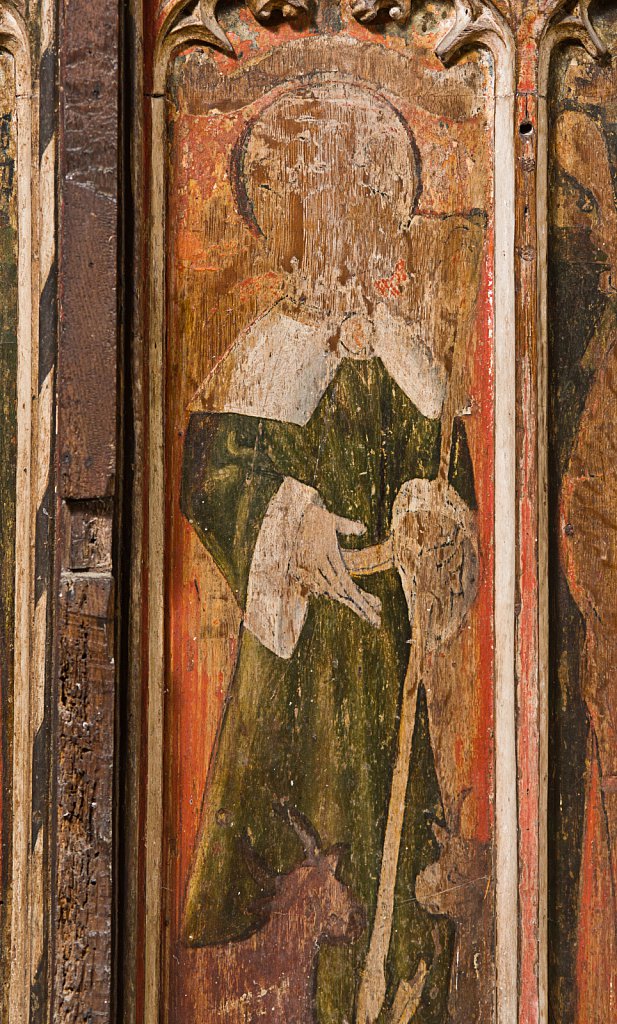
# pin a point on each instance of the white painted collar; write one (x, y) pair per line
(279, 368)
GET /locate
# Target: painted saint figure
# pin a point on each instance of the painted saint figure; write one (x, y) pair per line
(299, 442)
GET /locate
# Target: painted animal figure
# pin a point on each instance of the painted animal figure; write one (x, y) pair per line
(271, 976)
(458, 885)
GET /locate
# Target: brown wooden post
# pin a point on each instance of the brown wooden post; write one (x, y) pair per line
(85, 742)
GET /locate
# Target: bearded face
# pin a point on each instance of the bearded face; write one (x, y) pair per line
(332, 175)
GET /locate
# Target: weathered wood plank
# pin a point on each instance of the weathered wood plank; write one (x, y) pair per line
(85, 677)
(88, 140)
(85, 790)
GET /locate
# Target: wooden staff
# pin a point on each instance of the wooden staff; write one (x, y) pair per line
(372, 991)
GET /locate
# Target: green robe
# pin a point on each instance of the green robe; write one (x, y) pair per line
(320, 728)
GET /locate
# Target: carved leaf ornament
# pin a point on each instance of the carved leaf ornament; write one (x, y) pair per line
(186, 20)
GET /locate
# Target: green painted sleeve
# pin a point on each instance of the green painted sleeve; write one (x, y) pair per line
(228, 481)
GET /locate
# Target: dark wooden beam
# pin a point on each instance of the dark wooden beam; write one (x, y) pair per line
(85, 621)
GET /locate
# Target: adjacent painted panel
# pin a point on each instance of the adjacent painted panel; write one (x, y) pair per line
(582, 909)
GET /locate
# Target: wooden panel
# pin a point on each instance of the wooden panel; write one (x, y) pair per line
(312, 181)
(84, 836)
(89, 250)
(583, 502)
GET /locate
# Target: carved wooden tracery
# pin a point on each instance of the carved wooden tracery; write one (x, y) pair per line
(473, 22)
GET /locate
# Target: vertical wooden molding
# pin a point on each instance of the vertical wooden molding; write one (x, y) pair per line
(45, 300)
(85, 621)
(14, 38)
(156, 541)
(130, 791)
(543, 596)
(491, 30)
(30, 41)
(505, 722)
(527, 568)
(485, 26)
(522, 960)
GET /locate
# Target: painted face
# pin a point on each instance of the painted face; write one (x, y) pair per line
(332, 175)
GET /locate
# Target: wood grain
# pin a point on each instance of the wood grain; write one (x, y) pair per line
(87, 379)
(223, 275)
(86, 637)
(84, 836)
(8, 471)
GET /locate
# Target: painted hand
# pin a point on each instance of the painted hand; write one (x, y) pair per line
(318, 563)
